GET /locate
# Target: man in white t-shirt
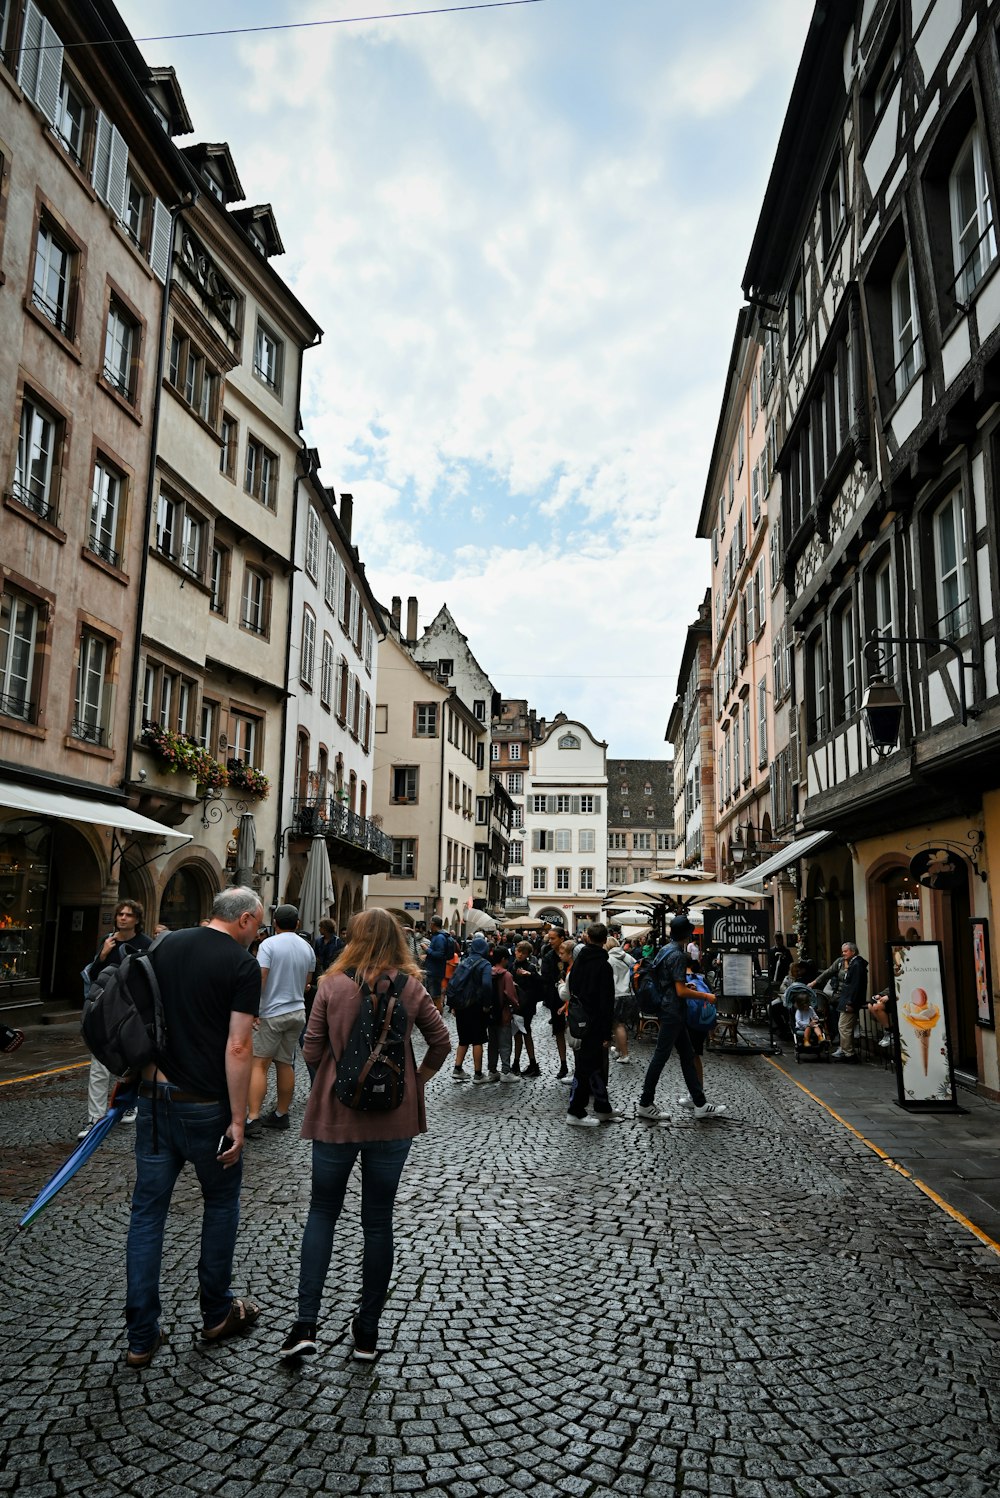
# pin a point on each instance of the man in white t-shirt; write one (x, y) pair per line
(286, 965)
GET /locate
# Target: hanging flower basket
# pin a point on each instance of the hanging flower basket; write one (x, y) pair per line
(245, 778)
(181, 755)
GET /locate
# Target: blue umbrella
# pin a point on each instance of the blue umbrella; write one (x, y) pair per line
(122, 1098)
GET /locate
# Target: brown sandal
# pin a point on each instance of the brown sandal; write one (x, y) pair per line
(242, 1317)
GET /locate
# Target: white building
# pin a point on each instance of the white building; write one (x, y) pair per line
(329, 727)
(566, 824)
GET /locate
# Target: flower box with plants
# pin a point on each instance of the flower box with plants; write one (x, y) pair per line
(245, 778)
(180, 755)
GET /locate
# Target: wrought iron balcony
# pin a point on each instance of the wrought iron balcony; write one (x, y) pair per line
(359, 842)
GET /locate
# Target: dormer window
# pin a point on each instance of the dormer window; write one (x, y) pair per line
(569, 741)
(213, 186)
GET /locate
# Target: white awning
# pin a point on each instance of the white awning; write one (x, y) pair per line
(79, 809)
(754, 878)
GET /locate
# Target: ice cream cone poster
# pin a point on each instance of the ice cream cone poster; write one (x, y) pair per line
(983, 970)
(923, 1064)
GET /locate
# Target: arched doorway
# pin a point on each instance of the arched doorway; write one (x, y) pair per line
(183, 903)
(75, 901)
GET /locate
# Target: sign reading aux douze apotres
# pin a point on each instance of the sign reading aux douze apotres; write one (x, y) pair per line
(736, 930)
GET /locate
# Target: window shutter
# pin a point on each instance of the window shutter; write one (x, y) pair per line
(50, 61)
(597, 803)
(117, 172)
(534, 842)
(550, 803)
(29, 61)
(574, 805)
(160, 240)
(102, 155)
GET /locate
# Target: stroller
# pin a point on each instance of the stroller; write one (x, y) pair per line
(799, 995)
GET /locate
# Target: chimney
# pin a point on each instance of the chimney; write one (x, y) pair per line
(347, 513)
(411, 620)
(397, 606)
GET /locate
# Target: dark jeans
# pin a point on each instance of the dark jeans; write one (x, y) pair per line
(673, 1032)
(590, 1076)
(382, 1164)
(187, 1132)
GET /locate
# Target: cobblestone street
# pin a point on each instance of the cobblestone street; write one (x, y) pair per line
(751, 1307)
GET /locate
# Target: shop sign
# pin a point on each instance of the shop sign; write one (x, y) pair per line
(939, 868)
(925, 1077)
(736, 930)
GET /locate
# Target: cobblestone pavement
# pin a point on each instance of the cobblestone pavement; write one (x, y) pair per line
(750, 1307)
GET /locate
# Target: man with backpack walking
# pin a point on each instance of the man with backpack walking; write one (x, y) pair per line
(192, 1108)
(470, 998)
(668, 978)
(441, 947)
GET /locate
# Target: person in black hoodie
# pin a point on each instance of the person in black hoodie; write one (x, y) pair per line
(591, 981)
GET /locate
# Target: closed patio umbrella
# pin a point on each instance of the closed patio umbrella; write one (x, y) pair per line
(246, 848)
(316, 895)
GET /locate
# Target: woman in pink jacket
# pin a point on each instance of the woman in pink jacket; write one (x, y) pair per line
(375, 948)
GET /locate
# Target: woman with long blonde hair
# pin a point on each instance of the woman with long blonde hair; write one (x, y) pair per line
(376, 949)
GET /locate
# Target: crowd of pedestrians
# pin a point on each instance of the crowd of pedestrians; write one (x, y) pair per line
(238, 1001)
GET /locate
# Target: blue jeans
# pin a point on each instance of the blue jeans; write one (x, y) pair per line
(187, 1132)
(673, 1032)
(382, 1164)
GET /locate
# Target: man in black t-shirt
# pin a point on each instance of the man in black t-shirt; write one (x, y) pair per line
(669, 970)
(192, 1108)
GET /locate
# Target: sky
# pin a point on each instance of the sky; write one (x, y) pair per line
(523, 231)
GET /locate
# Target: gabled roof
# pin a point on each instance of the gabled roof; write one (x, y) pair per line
(442, 620)
(167, 92)
(259, 221)
(219, 157)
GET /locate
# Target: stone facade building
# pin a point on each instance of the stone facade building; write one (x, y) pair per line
(641, 837)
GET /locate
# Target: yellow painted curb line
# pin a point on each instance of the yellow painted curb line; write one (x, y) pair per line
(34, 1076)
(928, 1191)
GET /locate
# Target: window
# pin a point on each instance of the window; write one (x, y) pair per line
(35, 471)
(741, 448)
(515, 887)
(642, 842)
(121, 351)
(563, 879)
(516, 853)
(404, 858)
(755, 493)
(817, 672)
(208, 725)
(834, 206)
(307, 659)
(425, 720)
(261, 473)
(246, 738)
(590, 804)
(71, 118)
(754, 400)
(219, 579)
(539, 878)
(543, 841)
(256, 608)
(569, 741)
(90, 723)
(905, 338)
(494, 753)
(482, 810)
(564, 840)
(586, 879)
(616, 841)
(479, 712)
(951, 569)
(626, 814)
(885, 76)
(330, 578)
(664, 842)
(312, 544)
(848, 660)
(404, 783)
(563, 803)
(230, 439)
(20, 623)
(514, 751)
(53, 278)
(517, 816)
(192, 377)
(587, 841)
(882, 592)
(326, 672)
(268, 357)
(796, 310)
(480, 864)
(181, 533)
(135, 217)
(973, 237)
(107, 495)
(515, 782)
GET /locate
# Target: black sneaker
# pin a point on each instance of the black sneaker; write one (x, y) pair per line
(364, 1345)
(562, 1072)
(515, 1067)
(534, 1070)
(275, 1120)
(253, 1128)
(300, 1342)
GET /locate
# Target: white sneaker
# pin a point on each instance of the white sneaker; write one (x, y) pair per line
(588, 1122)
(509, 1076)
(886, 1043)
(565, 1081)
(710, 1110)
(651, 1113)
(86, 1129)
(687, 1101)
(624, 1060)
(130, 1115)
(613, 1052)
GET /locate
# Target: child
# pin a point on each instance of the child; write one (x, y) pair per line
(807, 1024)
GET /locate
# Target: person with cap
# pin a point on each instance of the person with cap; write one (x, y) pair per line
(287, 963)
(669, 971)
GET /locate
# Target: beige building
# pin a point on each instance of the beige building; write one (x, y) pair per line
(428, 745)
(215, 627)
(88, 180)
